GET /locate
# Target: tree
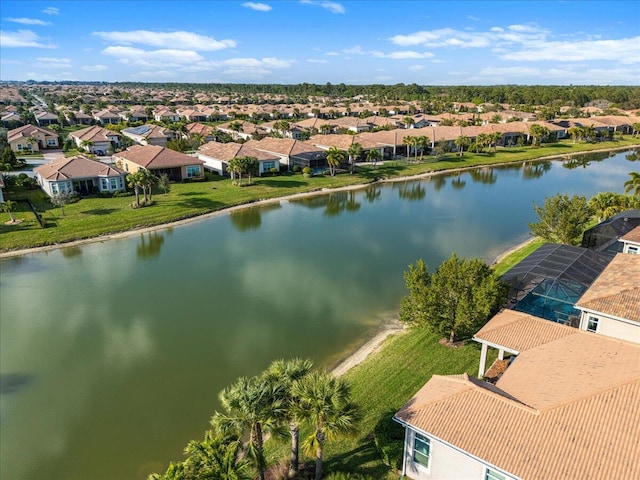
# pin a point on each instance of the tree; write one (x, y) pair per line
(60, 199)
(408, 121)
(251, 405)
(633, 184)
(148, 181)
(8, 157)
(455, 300)
(410, 141)
(461, 142)
(607, 204)
(236, 168)
(424, 143)
(373, 156)
(334, 158)
(7, 207)
(494, 139)
(539, 133)
(562, 219)
(354, 151)
(164, 183)
(285, 373)
(134, 180)
(178, 144)
(329, 411)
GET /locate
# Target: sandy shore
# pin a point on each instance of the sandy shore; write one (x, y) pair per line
(128, 233)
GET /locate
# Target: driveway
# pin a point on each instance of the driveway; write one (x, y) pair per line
(51, 155)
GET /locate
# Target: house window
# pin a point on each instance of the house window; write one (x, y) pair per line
(632, 249)
(54, 188)
(105, 185)
(493, 475)
(266, 166)
(592, 324)
(114, 184)
(51, 142)
(193, 171)
(421, 448)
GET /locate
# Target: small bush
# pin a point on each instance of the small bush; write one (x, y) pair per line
(389, 439)
(307, 170)
(273, 170)
(347, 476)
(122, 194)
(296, 168)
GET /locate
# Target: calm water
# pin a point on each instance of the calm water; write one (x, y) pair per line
(112, 354)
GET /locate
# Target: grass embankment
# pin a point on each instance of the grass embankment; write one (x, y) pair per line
(96, 216)
(518, 254)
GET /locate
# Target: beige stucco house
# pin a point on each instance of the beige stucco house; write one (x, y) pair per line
(158, 160)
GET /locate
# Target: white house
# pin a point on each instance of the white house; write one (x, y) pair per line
(217, 156)
(95, 139)
(631, 241)
(611, 305)
(564, 409)
(80, 175)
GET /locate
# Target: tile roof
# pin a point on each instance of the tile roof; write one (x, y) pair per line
(220, 151)
(76, 167)
(26, 131)
(566, 410)
(633, 236)
(94, 134)
(616, 291)
(153, 157)
(518, 332)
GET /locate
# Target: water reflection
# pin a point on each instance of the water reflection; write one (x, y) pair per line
(532, 170)
(457, 182)
(411, 190)
(372, 193)
(438, 181)
(483, 175)
(12, 382)
(70, 252)
(246, 219)
(150, 245)
(339, 202)
(584, 160)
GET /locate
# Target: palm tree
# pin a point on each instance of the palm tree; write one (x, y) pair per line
(134, 181)
(538, 132)
(217, 457)
(461, 142)
(373, 156)
(253, 405)
(494, 139)
(334, 158)
(354, 151)
(326, 403)
(423, 142)
(408, 121)
(149, 180)
(7, 207)
(409, 141)
(285, 373)
(633, 184)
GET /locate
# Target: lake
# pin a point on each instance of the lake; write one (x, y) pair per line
(112, 354)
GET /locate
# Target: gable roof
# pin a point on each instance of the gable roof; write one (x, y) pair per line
(565, 410)
(26, 131)
(633, 236)
(616, 291)
(220, 151)
(154, 157)
(94, 133)
(76, 167)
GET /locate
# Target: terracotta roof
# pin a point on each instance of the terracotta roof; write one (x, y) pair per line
(153, 157)
(76, 167)
(199, 128)
(616, 291)
(26, 131)
(94, 134)
(220, 151)
(566, 410)
(518, 332)
(633, 236)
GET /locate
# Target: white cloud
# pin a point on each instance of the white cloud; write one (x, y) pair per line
(152, 58)
(333, 7)
(625, 51)
(403, 55)
(357, 49)
(94, 68)
(22, 38)
(171, 40)
(29, 21)
(316, 60)
(332, 54)
(415, 68)
(261, 7)
(51, 11)
(52, 62)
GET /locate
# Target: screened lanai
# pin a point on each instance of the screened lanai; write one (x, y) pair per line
(604, 236)
(548, 282)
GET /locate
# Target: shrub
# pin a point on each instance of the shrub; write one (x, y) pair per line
(122, 194)
(389, 439)
(307, 170)
(296, 168)
(273, 170)
(347, 476)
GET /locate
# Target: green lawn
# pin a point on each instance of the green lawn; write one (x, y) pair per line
(517, 255)
(93, 217)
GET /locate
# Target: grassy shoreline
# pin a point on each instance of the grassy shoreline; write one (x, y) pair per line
(99, 219)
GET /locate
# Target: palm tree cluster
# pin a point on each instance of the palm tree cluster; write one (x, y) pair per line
(421, 142)
(145, 180)
(289, 396)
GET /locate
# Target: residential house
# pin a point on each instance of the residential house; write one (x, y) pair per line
(631, 241)
(564, 409)
(291, 152)
(160, 160)
(31, 138)
(611, 305)
(78, 118)
(166, 115)
(10, 119)
(205, 131)
(217, 156)
(95, 139)
(149, 134)
(107, 116)
(244, 131)
(46, 118)
(79, 174)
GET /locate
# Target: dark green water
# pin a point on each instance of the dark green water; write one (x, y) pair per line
(112, 354)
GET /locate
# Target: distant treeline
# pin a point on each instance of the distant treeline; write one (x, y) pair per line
(624, 97)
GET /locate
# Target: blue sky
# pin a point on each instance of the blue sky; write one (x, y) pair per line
(319, 41)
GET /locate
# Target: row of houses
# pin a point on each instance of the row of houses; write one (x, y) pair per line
(560, 402)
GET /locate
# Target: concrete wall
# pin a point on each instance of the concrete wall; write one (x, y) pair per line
(612, 328)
